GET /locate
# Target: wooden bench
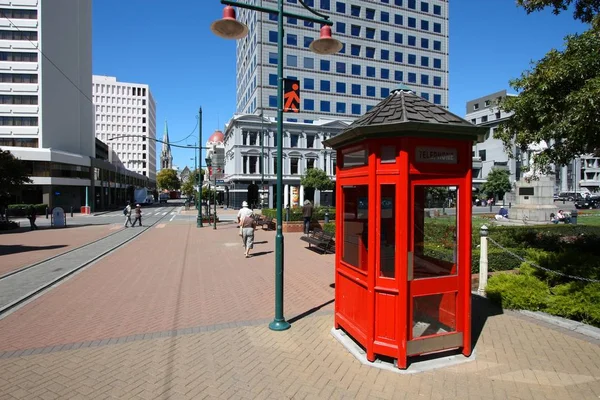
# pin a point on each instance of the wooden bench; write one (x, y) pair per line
(322, 240)
(268, 221)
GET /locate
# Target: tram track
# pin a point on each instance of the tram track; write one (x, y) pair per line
(7, 307)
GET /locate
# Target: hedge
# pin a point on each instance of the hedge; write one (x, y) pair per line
(498, 260)
(329, 227)
(21, 210)
(8, 225)
(575, 300)
(554, 238)
(296, 213)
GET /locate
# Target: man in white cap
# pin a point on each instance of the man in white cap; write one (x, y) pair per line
(242, 214)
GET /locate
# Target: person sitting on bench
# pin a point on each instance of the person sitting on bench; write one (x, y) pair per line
(502, 214)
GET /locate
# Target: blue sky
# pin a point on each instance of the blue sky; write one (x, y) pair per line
(172, 49)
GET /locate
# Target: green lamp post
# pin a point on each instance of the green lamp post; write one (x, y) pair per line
(199, 176)
(230, 28)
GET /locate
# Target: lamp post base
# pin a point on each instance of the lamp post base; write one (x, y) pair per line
(279, 325)
(199, 222)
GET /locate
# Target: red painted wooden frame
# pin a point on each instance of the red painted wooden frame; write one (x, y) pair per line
(377, 311)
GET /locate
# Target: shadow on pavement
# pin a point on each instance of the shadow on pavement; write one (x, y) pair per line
(309, 312)
(27, 228)
(260, 253)
(263, 242)
(14, 249)
(481, 310)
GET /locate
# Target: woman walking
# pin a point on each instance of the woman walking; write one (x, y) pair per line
(248, 226)
(138, 215)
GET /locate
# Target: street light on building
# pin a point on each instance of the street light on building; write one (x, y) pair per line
(230, 28)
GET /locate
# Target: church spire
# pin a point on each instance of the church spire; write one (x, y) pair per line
(166, 159)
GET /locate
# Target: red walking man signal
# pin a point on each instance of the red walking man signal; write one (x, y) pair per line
(291, 95)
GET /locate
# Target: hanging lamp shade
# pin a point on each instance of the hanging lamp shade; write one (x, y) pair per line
(326, 44)
(229, 27)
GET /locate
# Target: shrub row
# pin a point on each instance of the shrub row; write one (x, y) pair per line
(8, 225)
(583, 239)
(296, 213)
(554, 238)
(498, 260)
(21, 210)
(575, 300)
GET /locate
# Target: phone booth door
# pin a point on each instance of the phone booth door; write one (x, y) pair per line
(434, 317)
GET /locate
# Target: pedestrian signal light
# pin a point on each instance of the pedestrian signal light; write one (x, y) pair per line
(291, 95)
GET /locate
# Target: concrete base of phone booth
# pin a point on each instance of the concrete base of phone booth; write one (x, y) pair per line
(417, 365)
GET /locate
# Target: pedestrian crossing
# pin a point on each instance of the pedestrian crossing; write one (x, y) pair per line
(158, 212)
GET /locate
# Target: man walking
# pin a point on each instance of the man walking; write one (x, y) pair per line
(307, 211)
(31, 215)
(127, 212)
(138, 215)
(242, 214)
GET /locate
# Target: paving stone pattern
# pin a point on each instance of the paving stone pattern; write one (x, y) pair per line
(19, 249)
(178, 313)
(19, 285)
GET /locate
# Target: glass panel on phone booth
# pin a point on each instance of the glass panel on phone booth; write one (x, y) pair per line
(387, 229)
(435, 238)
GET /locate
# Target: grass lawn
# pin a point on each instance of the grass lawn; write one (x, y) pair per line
(592, 219)
(584, 218)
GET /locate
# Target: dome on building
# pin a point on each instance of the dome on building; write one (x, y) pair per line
(216, 137)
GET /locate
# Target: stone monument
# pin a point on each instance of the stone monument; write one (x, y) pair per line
(534, 195)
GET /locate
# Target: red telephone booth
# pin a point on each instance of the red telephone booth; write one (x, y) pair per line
(403, 275)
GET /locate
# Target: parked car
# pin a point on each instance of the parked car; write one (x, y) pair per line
(589, 202)
(570, 196)
(163, 197)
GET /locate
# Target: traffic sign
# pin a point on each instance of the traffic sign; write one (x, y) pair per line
(291, 95)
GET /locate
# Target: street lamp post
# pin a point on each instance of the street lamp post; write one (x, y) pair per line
(199, 177)
(262, 167)
(195, 168)
(230, 28)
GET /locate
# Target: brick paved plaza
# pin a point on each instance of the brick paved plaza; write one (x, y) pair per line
(180, 313)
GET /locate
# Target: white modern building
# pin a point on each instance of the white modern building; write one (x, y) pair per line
(580, 173)
(126, 120)
(46, 107)
(491, 153)
(386, 42)
(248, 139)
(46, 113)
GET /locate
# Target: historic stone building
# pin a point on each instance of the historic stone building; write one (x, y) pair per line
(250, 144)
(166, 158)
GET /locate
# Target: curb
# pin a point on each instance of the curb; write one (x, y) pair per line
(579, 327)
(101, 213)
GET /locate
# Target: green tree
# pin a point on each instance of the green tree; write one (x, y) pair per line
(317, 179)
(167, 179)
(187, 188)
(208, 194)
(585, 10)
(497, 183)
(558, 97)
(13, 175)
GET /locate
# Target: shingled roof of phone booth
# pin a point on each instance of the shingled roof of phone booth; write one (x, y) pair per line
(403, 113)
